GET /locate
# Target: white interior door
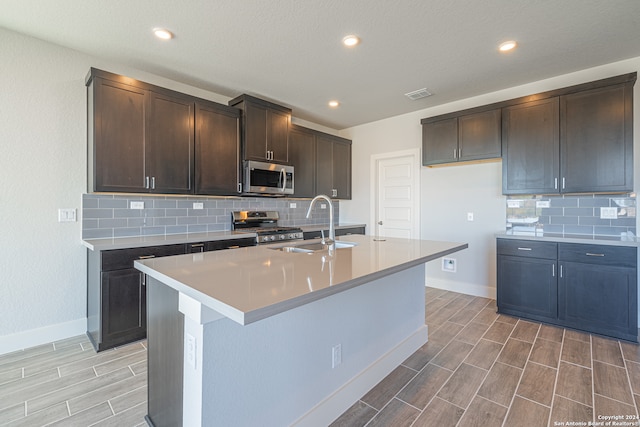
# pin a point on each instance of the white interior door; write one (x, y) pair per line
(397, 205)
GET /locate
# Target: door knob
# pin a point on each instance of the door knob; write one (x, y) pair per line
(379, 222)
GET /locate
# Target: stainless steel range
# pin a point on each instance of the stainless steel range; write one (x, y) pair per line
(265, 225)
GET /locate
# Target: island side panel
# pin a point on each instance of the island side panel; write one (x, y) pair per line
(165, 325)
(278, 371)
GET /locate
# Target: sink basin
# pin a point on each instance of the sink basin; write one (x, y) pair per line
(309, 248)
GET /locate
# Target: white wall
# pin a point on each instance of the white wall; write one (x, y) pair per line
(448, 193)
(43, 168)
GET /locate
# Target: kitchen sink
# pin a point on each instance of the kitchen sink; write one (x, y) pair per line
(312, 247)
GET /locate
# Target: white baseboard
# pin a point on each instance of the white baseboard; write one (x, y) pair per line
(338, 402)
(463, 288)
(39, 336)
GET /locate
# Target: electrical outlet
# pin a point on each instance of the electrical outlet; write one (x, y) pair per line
(292, 205)
(543, 203)
(136, 205)
(198, 205)
(323, 206)
(469, 216)
(336, 355)
(449, 265)
(609, 213)
(191, 350)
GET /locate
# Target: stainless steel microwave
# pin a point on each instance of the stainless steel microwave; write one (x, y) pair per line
(268, 178)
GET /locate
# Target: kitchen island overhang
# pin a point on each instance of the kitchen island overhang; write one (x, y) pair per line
(260, 329)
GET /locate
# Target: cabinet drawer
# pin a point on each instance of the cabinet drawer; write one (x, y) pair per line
(118, 259)
(217, 245)
(528, 248)
(622, 256)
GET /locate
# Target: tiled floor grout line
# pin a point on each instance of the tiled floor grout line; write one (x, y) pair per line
(515, 392)
(557, 368)
(593, 381)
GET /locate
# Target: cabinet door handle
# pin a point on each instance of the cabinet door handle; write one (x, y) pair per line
(524, 249)
(555, 183)
(233, 247)
(563, 182)
(146, 182)
(553, 270)
(146, 256)
(239, 187)
(561, 271)
(590, 254)
(153, 182)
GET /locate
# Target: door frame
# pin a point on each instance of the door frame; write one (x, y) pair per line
(375, 191)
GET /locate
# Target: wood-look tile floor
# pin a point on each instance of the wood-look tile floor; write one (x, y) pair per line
(66, 383)
(478, 369)
(484, 369)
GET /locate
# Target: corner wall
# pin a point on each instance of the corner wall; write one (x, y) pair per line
(448, 193)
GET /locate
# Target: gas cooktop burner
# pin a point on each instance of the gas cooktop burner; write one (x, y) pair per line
(265, 225)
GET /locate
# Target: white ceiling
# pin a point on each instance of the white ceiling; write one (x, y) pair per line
(290, 51)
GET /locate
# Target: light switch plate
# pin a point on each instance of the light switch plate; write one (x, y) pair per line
(66, 215)
(514, 203)
(609, 213)
(136, 205)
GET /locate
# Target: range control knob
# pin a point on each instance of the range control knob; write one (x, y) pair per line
(272, 238)
(282, 237)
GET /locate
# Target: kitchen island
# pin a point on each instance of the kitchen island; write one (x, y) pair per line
(259, 336)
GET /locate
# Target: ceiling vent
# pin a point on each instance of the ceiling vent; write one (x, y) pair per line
(418, 94)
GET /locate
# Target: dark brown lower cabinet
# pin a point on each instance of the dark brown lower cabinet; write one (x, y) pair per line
(116, 294)
(588, 287)
(116, 291)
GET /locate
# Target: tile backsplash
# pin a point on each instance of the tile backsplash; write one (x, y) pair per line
(573, 214)
(107, 215)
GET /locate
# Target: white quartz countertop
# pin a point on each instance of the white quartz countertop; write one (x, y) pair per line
(250, 284)
(572, 238)
(170, 239)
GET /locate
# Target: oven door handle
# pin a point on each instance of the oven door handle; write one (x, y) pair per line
(283, 179)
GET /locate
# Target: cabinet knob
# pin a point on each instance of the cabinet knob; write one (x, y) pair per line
(379, 222)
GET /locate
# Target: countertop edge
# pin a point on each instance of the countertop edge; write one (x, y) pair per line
(169, 239)
(586, 240)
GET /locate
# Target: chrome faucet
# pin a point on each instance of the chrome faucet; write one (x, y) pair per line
(331, 241)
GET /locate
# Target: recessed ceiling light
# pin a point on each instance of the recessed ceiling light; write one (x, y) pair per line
(163, 33)
(334, 104)
(351, 40)
(507, 46)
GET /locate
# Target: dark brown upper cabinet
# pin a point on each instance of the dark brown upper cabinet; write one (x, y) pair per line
(596, 140)
(302, 153)
(169, 157)
(460, 137)
(147, 139)
(531, 147)
(333, 166)
(116, 129)
(322, 163)
(572, 140)
(217, 149)
(265, 129)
